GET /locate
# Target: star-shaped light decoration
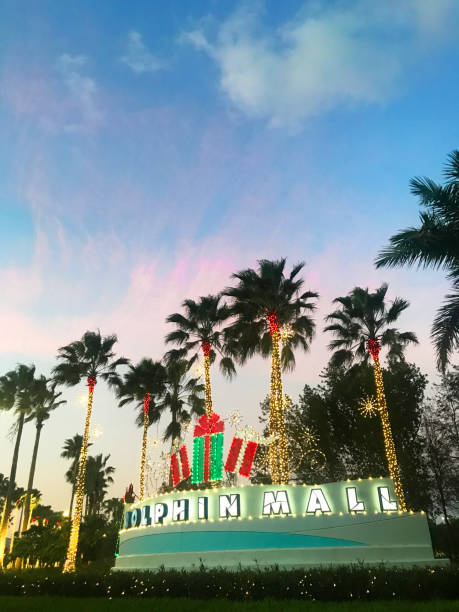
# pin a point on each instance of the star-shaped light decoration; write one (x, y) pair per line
(154, 443)
(368, 406)
(234, 418)
(95, 433)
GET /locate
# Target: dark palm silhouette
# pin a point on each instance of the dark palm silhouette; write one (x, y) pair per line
(98, 478)
(143, 384)
(199, 329)
(45, 399)
(72, 450)
(362, 325)
(15, 394)
(434, 243)
(183, 398)
(90, 358)
(268, 307)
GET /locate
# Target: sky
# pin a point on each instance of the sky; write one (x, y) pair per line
(150, 150)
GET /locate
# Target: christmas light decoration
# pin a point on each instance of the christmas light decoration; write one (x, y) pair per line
(14, 513)
(394, 471)
(278, 451)
(180, 467)
(234, 418)
(368, 406)
(69, 565)
(208, 449)
(286, 332)
(208, 390)
(143, 454)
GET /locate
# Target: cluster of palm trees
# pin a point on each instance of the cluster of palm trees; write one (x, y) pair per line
(267, 312)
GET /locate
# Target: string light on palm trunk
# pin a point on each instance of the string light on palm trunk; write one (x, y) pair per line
(278, 450)
(143, 454)
(208, 390)
(70, 561)
(394, 470)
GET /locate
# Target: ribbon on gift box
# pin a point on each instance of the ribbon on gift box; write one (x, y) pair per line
(208, 449)
(180, 466)
(244, 459)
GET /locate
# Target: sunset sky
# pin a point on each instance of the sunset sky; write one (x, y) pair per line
(149, 150)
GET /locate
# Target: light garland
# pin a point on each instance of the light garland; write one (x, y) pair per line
(143, 454)
(208, 390)
(394, 470)
(278, 451)
(70, 561)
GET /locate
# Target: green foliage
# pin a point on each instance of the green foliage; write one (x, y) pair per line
(92, 356)
(353, 445)
(201, 322)
(263, 292)
(434, 244)
(362, 315)
(345, 583)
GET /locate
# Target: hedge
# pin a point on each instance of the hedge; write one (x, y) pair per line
(332, 584)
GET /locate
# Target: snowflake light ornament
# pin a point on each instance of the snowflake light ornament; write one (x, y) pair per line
(368, 406)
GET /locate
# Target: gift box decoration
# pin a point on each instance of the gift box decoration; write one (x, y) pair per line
(240, 456)
(208, 449)
(180, 466)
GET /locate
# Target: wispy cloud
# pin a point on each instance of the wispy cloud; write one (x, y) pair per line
(138, 56)
(327, 56)
(82, 88)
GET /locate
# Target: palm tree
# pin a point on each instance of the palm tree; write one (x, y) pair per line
(434, 244)
(98, 478)
(200, 328)
(268, 307)
(45, 399)
(91, 357)
(72, 450)
(361, 325)
(142, 383)
(183, 398)
(15, 394)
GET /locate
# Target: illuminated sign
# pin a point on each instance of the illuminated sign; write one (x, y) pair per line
(263, 501)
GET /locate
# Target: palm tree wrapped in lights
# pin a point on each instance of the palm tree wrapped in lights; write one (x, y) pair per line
(143, 384)
(199, 330)
(268, 307)
(361, 325)
(90, 358)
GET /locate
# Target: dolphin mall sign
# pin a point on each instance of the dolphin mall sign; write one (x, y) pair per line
(264, 525)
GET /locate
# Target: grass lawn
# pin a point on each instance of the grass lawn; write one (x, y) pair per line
(56, 604)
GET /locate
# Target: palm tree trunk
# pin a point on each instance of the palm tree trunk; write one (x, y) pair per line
(71, 502)
(10, 491)
(70, 561)
(394, 470)
(208, 389)
(278, 451)
(25, 524)
(143, 455)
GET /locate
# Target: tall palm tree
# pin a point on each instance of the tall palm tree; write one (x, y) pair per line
(268, 307)
(434, 243)
(91, 358)
(362, 325)
(15, 394)
(98, 478)
(183, 398)
(45, 399)
(71, 450)
(200, 329)
(141, 384)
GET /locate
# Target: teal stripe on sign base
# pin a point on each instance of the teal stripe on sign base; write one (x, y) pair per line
(195, 541)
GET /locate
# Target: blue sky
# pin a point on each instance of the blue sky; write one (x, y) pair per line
(148, 151)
